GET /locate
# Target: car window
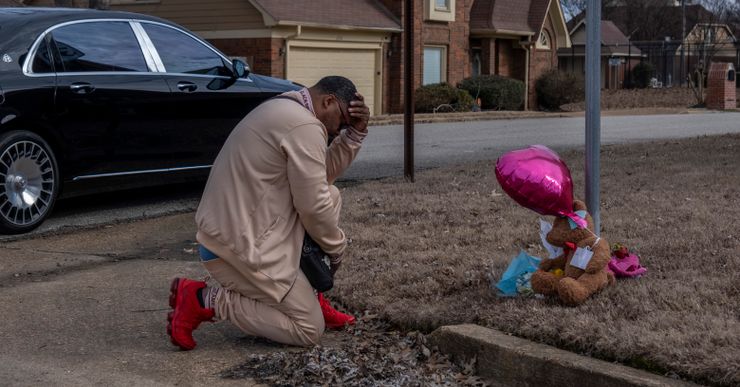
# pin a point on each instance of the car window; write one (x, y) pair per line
(42, 60)
(181, 53)
(99, 46)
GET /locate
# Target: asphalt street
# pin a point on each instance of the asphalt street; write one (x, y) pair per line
(436, 145)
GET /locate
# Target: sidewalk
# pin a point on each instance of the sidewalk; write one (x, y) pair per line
(89, 308)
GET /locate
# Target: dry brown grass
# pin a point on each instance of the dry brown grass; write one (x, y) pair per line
(673, 97)
(424, 255)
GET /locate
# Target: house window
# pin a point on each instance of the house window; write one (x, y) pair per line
(544, 41)
(439, 10)
(476, 62)
(435, 65)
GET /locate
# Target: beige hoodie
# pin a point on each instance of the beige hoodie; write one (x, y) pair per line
(269, 184)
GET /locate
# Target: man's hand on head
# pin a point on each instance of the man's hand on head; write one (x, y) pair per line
(359, 114)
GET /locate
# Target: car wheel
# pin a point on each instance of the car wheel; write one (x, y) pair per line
(29, 181)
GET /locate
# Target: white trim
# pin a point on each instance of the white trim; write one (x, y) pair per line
(163, 170)
(576, 27)
(547, 45)
(285, 31)
(562, 24)
(329, 44)
(150, 55)
(431, 12)
(34, 47)
(338, 26)
(201, 41)
(239, 34)
(504, 34)
(137, 28)
(266, 17)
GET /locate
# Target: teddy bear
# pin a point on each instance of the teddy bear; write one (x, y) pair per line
(574, 285)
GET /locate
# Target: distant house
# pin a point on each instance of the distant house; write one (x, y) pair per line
(517, 38)
(657, 30)
(653, 22)
(304, 40)
(617, 54)
(711, 42)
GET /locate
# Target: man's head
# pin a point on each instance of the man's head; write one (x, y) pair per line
(331, 100)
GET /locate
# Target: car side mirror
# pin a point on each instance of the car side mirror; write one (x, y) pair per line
(240, 69)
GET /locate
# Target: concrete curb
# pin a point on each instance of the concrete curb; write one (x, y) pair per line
(511, 361)
(427, 118)
(397, 119)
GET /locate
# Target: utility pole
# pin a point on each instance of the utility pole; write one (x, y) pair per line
(593, 110)
(683, 40)
(408, 82)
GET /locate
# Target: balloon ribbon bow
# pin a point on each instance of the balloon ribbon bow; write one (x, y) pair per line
(577, 219)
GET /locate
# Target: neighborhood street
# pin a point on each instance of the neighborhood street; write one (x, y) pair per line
(436, 145)
(452, 143)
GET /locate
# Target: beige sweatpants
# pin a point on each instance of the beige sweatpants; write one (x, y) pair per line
(297, 320)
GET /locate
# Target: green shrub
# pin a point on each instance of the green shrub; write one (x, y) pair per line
(641, 75)
(496, 92)
(438, 95)
(556, 88)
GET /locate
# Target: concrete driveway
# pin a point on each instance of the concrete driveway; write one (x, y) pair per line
(90, 307)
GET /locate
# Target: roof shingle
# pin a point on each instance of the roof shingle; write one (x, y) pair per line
(355, 13)
(613, 41)
(523, 16)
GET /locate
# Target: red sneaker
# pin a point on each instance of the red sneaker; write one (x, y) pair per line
(333, 318)
(187, 313)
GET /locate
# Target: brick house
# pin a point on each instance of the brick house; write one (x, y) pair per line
(363, 39)
(618, 54)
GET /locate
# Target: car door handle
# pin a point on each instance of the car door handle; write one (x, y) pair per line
(187, 86)
(82, 88)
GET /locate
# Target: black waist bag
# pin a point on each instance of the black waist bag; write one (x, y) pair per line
(315, 265)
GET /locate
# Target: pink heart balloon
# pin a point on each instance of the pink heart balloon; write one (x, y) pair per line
(537, 179)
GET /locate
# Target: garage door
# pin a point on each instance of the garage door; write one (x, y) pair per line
(306, 65)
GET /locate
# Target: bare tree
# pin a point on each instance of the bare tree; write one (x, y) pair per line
(711, 38)
(572, 8)
(638, 19)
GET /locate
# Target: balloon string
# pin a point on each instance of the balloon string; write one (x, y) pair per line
(577, 219)
(582, 222)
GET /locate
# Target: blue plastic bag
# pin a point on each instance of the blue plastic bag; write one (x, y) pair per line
(520, 265)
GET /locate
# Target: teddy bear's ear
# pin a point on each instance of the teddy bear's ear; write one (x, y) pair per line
(579, 205)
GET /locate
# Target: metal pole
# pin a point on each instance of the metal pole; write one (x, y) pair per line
(593, 109)
(688, 64)
(628, 77)
(408, 81)
(683, 40)
(572, 58)
(629, 66)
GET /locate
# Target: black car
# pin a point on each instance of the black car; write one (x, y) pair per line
(97, 100)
